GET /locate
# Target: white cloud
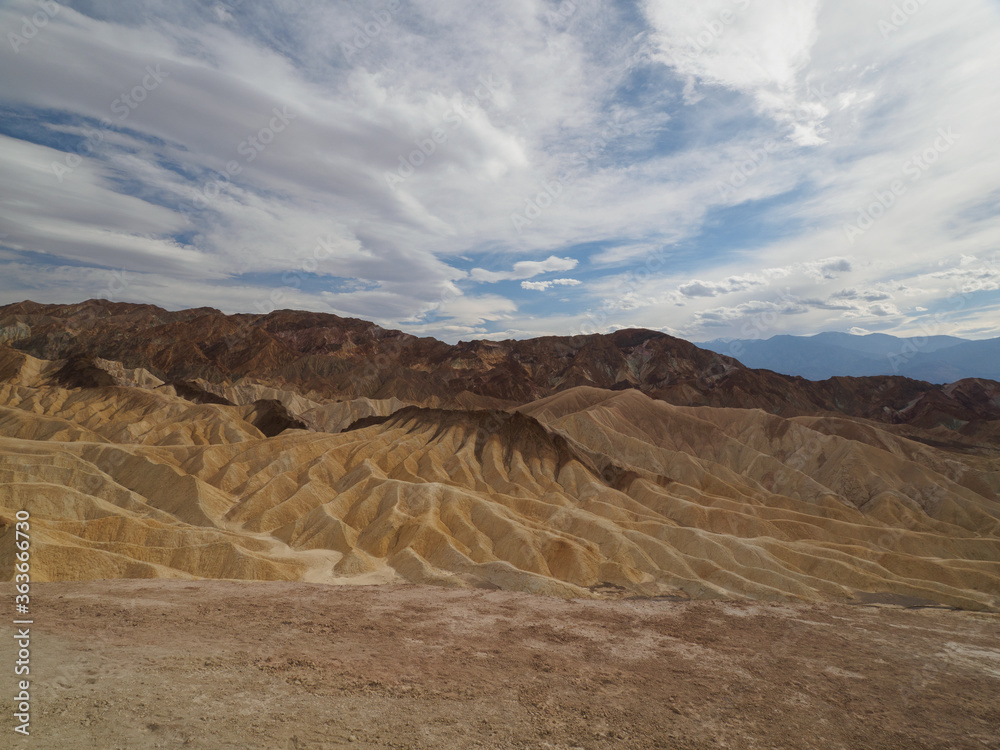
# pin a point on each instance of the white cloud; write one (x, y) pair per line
(757, 47)
(631, 127)
(709, 289)
(525, 269)
(541, 286)
(882, 310)
(829, 268)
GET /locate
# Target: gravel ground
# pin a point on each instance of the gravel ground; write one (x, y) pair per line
(221, 664)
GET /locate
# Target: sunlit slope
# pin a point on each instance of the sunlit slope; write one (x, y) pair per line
(571, 493)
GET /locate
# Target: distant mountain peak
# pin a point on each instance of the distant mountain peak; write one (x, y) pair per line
(936, 359)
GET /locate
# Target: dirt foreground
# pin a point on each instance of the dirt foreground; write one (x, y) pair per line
(219, 664)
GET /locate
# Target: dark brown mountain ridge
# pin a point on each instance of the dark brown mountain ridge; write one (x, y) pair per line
(331, 357)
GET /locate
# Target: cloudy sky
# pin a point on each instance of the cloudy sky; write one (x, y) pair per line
(709, 168)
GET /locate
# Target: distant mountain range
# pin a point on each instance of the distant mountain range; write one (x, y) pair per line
(203, 356)
(934, 359)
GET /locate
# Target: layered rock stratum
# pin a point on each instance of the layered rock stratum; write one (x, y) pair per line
(305, 447)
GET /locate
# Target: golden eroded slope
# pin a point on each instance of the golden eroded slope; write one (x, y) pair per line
(588, 491)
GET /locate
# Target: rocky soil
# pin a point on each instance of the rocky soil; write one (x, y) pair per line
(122, 665)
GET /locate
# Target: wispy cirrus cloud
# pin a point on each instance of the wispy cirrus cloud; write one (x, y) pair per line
(706, 159)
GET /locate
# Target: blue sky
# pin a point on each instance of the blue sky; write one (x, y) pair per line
(710, 169)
